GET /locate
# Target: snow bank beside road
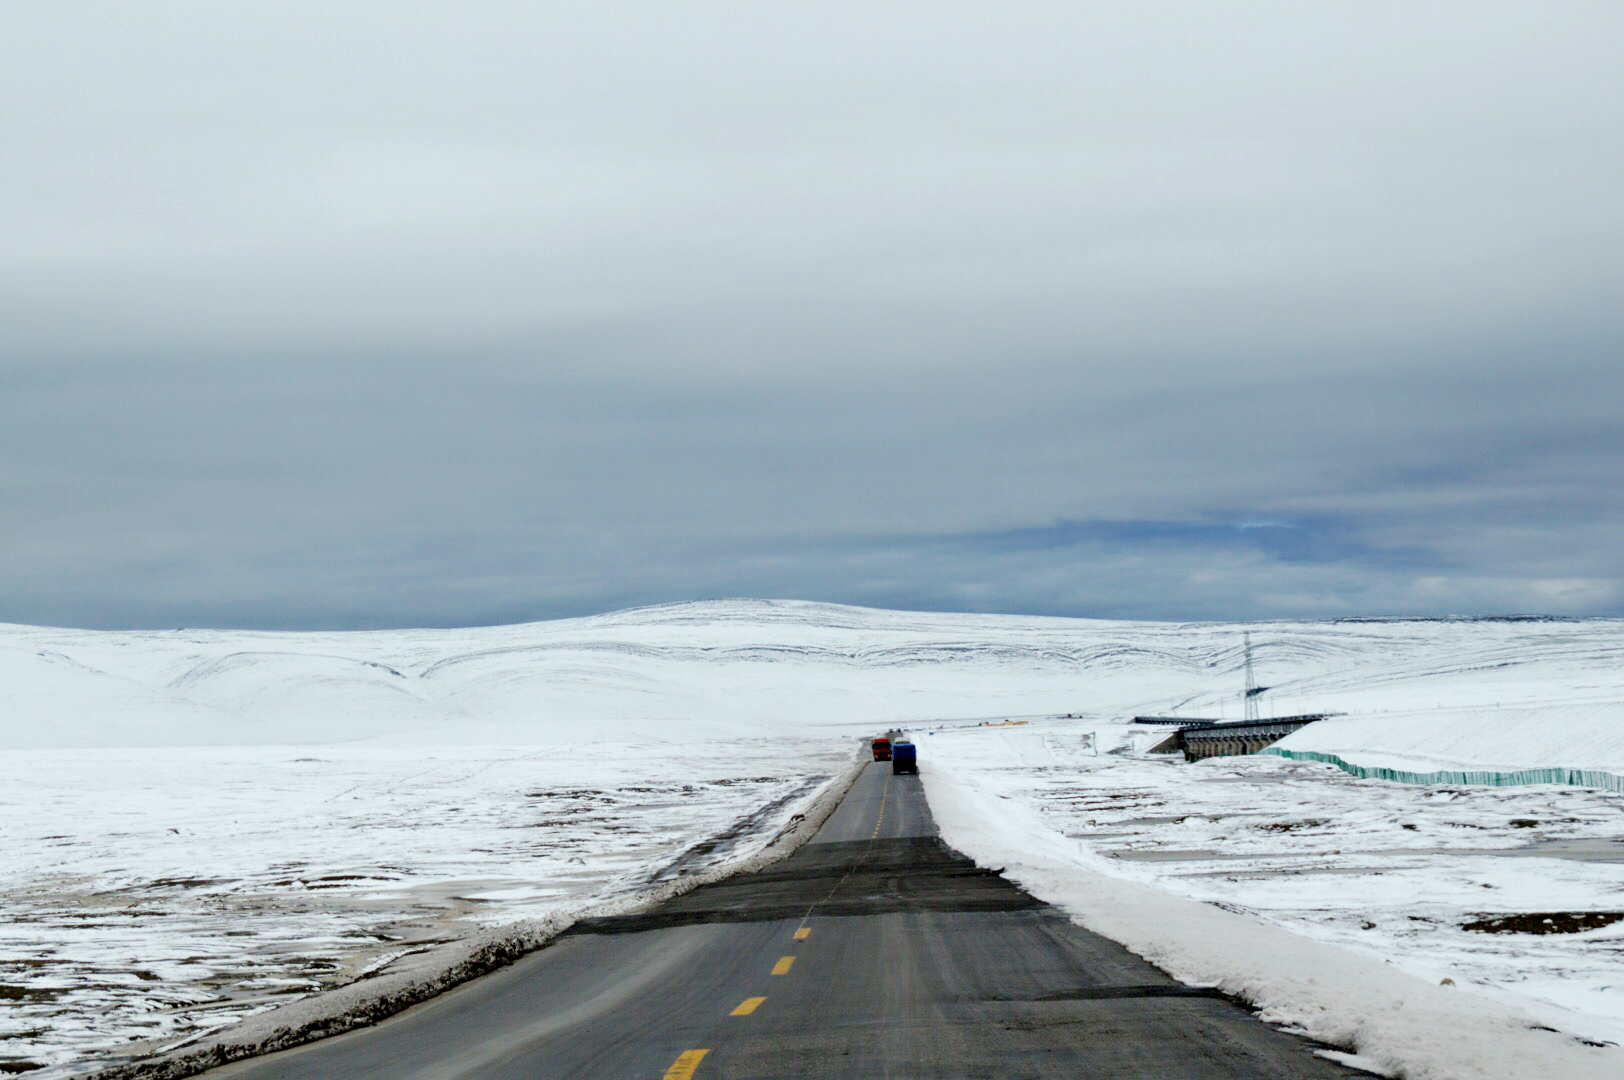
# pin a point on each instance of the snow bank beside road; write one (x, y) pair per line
(1394, 1022)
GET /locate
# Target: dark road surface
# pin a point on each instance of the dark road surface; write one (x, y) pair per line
(873, 951)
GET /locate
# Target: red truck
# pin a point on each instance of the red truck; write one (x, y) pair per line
(882, 749)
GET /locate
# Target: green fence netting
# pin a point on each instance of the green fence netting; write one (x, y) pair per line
(1589, 778)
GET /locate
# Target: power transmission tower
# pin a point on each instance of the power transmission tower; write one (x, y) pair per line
(1249, 699)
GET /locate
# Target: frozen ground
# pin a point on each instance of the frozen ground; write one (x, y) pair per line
(155, 895)
(198, 824)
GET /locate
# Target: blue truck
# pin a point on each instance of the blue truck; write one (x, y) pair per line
(903, 758)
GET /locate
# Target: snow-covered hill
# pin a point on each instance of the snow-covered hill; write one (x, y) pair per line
(1548, 691)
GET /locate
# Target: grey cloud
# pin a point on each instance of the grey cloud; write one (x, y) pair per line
(378, 315)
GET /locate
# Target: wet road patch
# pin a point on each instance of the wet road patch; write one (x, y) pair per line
(860, 877)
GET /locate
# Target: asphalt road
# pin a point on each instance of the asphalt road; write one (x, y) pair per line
(874, 951)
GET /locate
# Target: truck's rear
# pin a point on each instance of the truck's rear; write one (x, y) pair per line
(904, 759)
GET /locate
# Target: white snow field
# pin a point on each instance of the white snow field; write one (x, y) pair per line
(1336, 905)
(196, 826)
(153, 896)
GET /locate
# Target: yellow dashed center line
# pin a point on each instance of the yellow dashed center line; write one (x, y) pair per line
(683, 1068)
(685, 1065)
(885, 793)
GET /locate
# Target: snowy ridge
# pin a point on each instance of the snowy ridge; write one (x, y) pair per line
(750, 666)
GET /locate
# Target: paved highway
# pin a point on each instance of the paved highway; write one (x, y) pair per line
(874, 951)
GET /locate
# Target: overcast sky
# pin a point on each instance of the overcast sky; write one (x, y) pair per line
(388, 314)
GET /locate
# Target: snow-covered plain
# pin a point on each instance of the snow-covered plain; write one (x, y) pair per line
(152, 896)
(1399, 874)
(197, 824)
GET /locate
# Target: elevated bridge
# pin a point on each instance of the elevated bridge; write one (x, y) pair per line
(1216, 738)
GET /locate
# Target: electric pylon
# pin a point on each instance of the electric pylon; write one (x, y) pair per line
(1249, 698)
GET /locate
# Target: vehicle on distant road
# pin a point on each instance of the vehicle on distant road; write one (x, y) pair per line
(904, 759)
(882, 748)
